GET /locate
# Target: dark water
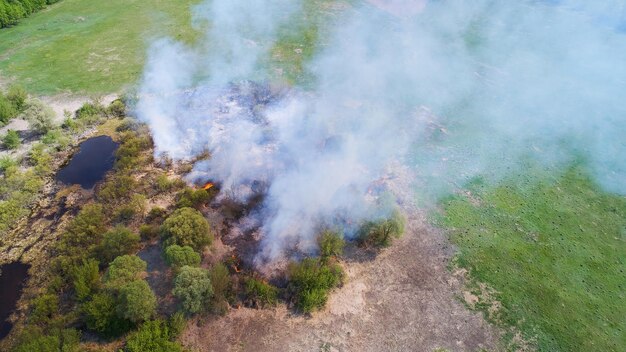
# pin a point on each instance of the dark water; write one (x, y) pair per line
(12, 279)
(94, 158)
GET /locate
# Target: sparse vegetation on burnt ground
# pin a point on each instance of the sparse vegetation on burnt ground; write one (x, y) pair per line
(551, 252)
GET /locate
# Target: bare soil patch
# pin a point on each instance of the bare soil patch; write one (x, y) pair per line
(403, 300)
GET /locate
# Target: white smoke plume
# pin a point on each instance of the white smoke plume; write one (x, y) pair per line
(451, 89)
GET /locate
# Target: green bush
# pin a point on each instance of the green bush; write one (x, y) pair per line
(7, 109)
(310, 281)
(193, 288)
(85, 278)
(17, 96)
(84, 232)
(190, 198)
(39, 116)
(331, 244)
(223, 291)
(260, 294)
(381, 233)
(116, 242)
(124, 269)
(11, 140)
(44, 308)
(137, 302)
(117, 108)
(89, 110)
(148, 231)
(35, 340)
(100, 315)
(177, 256)
(117, 188)
(187, 227)
(177, 323)
(153, 336)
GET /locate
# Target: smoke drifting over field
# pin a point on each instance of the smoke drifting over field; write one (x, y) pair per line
(451, 90)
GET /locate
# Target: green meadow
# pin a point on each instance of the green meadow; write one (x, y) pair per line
(554, 251)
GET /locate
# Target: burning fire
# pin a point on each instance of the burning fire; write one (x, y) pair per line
(235, 263)
(207, 185)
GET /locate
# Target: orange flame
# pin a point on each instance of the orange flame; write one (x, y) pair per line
(207, 185)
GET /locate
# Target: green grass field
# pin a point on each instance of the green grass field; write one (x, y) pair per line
(98, 47)
(555, 251)
(88, 46)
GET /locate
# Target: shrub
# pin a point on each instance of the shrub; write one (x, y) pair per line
(153, 336)
(34, 340)
(148, 231)
(44, 308)
(331, 244)
(85, 278)
(39, 116)
(223, 291)
(156, 214)
(187, 227)
(193, 288)
(177, 323)
(116, 108)
(101, 316)
(11, 140)
(17, 96)
(88, 111)
(177, 256)
(310, 281)
(190, 198)
(116, 242)
(124, 269)
(117, 188)
(84, 232)
(260, 293)
(7, 110)
(137, 302)
(381, 233)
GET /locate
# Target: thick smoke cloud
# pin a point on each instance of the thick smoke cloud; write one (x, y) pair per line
(450, 89)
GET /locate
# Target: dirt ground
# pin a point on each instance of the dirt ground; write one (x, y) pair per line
(403, 300)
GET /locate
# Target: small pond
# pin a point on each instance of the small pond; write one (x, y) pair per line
(89, 165)
(12, 279)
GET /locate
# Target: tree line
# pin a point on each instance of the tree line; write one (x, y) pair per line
(12, 11)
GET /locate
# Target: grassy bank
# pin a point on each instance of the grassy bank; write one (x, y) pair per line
(554, 251)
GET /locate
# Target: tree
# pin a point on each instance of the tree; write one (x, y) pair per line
(153, 336)
(86, 278)
(137, 302)
(381, 233)
(39, 115)
(177, 256)
(310, 281)
(187, 227)
(193, 287)
(116, 242)
(101, 315)
(331, 244)
(85, 231)
(11, 140)
(124, 269)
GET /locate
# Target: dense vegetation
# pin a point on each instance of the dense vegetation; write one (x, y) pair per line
(553, 251)
(11, 11)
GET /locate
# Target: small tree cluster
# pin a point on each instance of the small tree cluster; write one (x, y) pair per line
(178, 256)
